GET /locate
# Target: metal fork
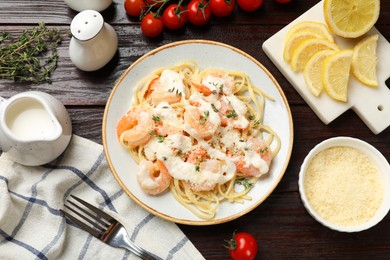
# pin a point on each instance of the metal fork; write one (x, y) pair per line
(103, 226)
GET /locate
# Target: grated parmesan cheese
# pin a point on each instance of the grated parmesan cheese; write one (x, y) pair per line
(343, 186)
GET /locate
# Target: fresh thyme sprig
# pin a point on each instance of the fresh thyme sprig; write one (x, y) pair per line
(32, 57)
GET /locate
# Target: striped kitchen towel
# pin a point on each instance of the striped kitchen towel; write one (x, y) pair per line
(33, 227)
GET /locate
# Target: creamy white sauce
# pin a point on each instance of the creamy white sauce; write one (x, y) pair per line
(143, 175)
(171, 81)
(167, 115)
(213, 83)
(253, 158)
(229, 137)
(29, 120)
(167, 152)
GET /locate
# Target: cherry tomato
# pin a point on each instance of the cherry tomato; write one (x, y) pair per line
(152, 26)
(199, 12)
(222, 8)
(134, 7)
(283, 1)
(174, 17)
(242, 246)
(250, 5)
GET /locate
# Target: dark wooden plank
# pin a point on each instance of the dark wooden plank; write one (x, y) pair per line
(281, 225)
(285, 230)
(73, 86)
(30, 12)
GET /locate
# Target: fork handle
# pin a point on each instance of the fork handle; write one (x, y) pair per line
(122, 240)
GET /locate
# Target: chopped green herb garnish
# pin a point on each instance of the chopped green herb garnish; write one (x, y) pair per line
(264, 150)
(156, 118)
(232, 114)
(202, 121)
(214, 108)
(197, 168)
(159, 137)
(245, 182)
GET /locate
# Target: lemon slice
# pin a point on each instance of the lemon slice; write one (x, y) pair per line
(313, 71)
(351, 18)
(294, 40)
(335, 74)
(313, 27)
(364, 61)
(307, 49)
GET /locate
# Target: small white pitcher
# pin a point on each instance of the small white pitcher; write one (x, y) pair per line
(35, 128)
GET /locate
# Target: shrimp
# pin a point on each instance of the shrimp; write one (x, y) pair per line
(210, 170)
(212, 166)
(230, 116)
(202, 88)
(158, 94)
(135, 127)
(198, 123)
(196, 156)
(257, 159)
(169, 87)
(222, 81)
(153, 178)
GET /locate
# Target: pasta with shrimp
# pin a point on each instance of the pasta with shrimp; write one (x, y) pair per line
(199, 135)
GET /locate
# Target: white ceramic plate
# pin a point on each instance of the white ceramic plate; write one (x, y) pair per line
(206, 54)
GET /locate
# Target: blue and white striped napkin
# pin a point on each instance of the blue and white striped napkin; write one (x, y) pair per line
(32, 227)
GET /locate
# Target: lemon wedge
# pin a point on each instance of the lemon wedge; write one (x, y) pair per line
(364, 61)
(313, 71)
(307, 49)
(295, 39)
(335, 74)
(313, 27)
(351, 18)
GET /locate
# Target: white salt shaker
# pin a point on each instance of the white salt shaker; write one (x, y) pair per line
(81, 5)
(94, 42)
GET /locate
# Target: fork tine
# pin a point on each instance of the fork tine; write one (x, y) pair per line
(99, 222)
(84, 226)
(98, 212)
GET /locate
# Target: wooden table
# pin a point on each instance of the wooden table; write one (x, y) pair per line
(281, 225)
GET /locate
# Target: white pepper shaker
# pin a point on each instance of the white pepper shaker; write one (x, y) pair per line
(94, 42)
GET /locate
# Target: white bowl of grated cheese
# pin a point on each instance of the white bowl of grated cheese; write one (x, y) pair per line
(344, 184)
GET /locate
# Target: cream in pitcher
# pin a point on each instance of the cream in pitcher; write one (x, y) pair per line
(35, 128)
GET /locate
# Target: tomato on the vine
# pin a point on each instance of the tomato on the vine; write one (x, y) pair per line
(199, 12)
(134, 7)
(174, 17)
(151, 26)
(242, 246)
(250, 5)
(222, 8)
(154, 3)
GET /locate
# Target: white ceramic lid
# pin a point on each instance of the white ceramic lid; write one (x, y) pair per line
(86, 25)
